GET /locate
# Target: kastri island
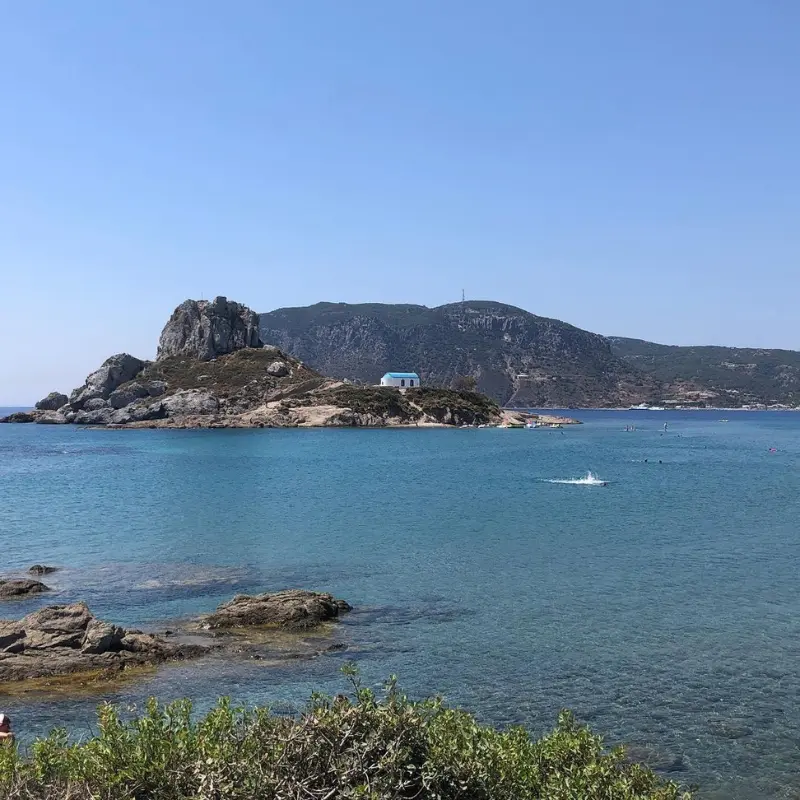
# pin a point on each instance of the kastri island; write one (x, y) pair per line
(212, 370)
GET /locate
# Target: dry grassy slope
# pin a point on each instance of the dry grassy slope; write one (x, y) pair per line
(241, 382)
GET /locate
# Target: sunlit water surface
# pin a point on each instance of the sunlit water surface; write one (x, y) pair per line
(662, 608)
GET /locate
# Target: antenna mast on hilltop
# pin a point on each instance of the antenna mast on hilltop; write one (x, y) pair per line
(462, 296)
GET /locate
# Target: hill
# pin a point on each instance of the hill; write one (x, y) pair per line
(518, 358)
(729, 376)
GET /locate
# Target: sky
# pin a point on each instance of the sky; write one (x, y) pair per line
(631, 167)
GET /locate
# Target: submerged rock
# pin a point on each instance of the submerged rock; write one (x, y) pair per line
(52, 402)
(58, 640)
(293, 609)
(41, 569)
(21, 587)
(729, 729)
(205, 329)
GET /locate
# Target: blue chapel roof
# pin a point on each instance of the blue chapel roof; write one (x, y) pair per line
(401, 375)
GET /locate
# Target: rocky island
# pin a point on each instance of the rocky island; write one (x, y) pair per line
(213, 371)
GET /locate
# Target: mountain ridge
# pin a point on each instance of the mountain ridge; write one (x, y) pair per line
(735, 375)
(523, 359)
(518, 358)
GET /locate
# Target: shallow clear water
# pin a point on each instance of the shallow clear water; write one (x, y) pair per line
(662, 608)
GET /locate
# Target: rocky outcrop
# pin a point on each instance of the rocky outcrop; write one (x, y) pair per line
(52, 417)
(101, 383)
(52, 402)
(21, 587)
(63, 639)
(204, 329)
(58, 640)
(20, 416)
(294, 609)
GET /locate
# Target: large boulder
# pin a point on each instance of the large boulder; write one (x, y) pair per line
(51, 418)
(113, 373)
(190, 402)
(155, 388)
(22, 587)
(102, 416)
(95, 404)
(138, 412)
(127, 394)
(58, 640)
(294, 609)
(206, 329)
(52, 402)
(278, 369)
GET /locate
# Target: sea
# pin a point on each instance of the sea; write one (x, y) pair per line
(662, 607)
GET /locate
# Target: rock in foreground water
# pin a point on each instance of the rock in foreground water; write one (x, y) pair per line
(294, 609)
(41, 569)
(21, 587)
(20, 416)
(57, 640)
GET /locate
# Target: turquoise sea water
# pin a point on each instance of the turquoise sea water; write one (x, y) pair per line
(663, 609)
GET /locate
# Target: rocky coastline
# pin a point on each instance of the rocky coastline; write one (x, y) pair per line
(61, 640)
(213, 371)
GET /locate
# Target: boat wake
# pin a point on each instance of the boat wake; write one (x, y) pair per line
(588, 480)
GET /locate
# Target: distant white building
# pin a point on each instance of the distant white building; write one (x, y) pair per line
(400, 380)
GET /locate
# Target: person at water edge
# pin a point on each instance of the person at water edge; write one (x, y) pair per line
(5, 729)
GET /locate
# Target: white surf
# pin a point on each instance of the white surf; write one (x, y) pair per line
(587, 480)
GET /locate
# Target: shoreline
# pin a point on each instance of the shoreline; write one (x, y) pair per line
(663, 410)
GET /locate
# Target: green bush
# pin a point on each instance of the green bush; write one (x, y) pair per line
(343, 748)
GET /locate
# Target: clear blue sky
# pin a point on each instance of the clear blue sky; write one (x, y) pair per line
(630, 167)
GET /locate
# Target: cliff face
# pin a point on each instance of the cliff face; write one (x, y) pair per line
(518, 358)
(205, 329)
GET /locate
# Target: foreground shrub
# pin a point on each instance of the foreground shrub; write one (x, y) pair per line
(343, 748)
